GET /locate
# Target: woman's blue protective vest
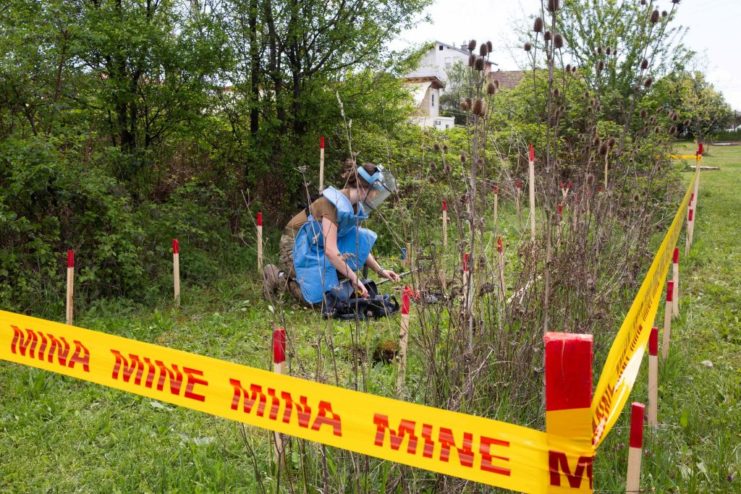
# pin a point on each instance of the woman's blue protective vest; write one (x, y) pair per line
(314, 273)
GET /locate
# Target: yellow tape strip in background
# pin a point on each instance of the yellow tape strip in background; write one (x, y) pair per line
(474, 448)
(626, 353)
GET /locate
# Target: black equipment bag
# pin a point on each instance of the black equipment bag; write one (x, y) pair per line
(342, 303)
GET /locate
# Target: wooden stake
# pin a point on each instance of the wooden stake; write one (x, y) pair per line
(518, 191)
(70, 286)
(403, 341)
(408, 259)
(568, 413)
(259, 242)
(500, 255)
(696, 191)
(653, 377)
(321, 164)
(496, 203)
(633, 483)
(675, 279)
(531, 189)
(279, 362)
(667, 319)
(176, 271)
(692, 225)
(688, 232)
(445, 224)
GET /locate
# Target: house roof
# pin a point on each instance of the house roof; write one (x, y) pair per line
(508, 79)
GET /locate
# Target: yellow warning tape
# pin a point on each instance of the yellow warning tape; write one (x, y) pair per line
(473, 448)
(626, 353)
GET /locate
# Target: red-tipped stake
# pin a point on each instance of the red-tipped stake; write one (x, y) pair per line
(653, 377)
(667, 319)
(531, 189)
(176, 271)
(279, 362)
(568, 413)
(675, 278)
(500, 255)
(696, 191)
(321, 164)
(495, 190)
(688, 231)
(445, 224)
(633, 482)
(403, 341)
(70, 286)
(259, 242)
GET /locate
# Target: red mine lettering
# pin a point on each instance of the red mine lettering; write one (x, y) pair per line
(486, 456)
(121, 361)
(558, 463)
(240, 392)
(429, 444)
(192, 381)
(19, 342)
(322, 418)
(42, 348)
(80, 356)
(58, 348)
(465, 454)
(174, 375)
(395, 438)
(274, 404)
(303, 411)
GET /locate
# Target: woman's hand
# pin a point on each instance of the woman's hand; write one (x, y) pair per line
(360, 289)
(390, 275)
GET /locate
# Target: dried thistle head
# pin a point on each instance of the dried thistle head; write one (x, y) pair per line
(553, 5)
(538, 25)
(647, 83)
(547, 36)
(472, 45)
(491, 89)
(558, 41)
(528, 46)
(479, 65)
(654, 17)
(644, 64)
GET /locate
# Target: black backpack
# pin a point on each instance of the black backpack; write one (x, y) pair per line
(342, 303)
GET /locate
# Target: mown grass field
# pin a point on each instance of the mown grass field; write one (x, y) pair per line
(62, 435)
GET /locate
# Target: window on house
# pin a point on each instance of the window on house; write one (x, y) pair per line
(441, 48)
(433, 99)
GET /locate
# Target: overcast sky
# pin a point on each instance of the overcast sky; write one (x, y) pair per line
(714, 33)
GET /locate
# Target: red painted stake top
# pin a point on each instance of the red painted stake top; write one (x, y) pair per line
(500, 247)
(675, 255)
(692, 214)
(70, 258)
(568, 371)
(531, 153)
(321, 142)
(669, 291)
(495, 189)
(465, 262)
(636, 424)
(653, 342)
(445, 205)
(559, 209)
(175, 246)
(518, 183)
(279, 346)
(259, 218)
(405, 301)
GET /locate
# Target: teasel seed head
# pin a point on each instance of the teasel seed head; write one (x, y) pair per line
(611, 142)
(558, 41)
(463, 158)
(600, 66)
(471, 60)
(491, 88)
(553, 5)
(652, 120)
(538, 25)
(436, 147)
(528, 46)
(686, 123)
(568, 68)
(596, 142)
(657, 130)
(496, 83)
(647, 83)
(664, 13)
(479, 108)
(464, 105)
(445, 148)
(472, 45)
(483, 50)
(675, 2)
(573, 69)
(654, 17)
(556, 93)
(644, 113)
(547, 36)
(608, 51)
(673, 130)
(643, 2)
(489, 46)
(644, 64)
(479, 63)
(600, 51)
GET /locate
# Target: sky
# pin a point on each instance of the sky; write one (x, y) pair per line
(714, 33)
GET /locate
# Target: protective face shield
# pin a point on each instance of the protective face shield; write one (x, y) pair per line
(382, 184)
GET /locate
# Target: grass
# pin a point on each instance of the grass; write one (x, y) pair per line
(62, 435)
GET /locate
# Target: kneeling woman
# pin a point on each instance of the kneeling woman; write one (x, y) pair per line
(325, 243)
